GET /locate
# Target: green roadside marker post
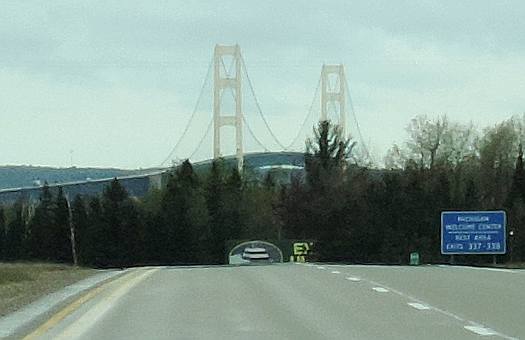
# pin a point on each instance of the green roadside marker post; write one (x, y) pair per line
(414, 259)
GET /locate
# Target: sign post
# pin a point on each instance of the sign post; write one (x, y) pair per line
(473, 232)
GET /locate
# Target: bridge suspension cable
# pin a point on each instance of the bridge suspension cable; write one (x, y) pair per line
(253, 135)
(307, 117)
(187, 127)
(259, 110)
(202, 139)
(243, 70)
(354, 117)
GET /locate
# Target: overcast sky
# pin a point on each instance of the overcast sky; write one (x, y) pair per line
(116, 81)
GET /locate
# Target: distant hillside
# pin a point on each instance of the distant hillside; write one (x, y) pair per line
(24, 176)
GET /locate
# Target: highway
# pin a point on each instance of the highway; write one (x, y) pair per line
(299, 301)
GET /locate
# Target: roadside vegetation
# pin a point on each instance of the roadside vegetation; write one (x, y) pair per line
(356, 212)
(23, 283)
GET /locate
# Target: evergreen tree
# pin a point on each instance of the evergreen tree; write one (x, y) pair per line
(80, 224)
(133, 233)
(234, 204)
(121, 221)
(186, 216)
(42, 233)
(16, 232)
(155, 231)
(156, 242)
(292, 209)
(96, 240)
(215, 201)
(325, 164)
(326, 155)
(61, 233)
(269, 180)
(112, 199)
(257, 210)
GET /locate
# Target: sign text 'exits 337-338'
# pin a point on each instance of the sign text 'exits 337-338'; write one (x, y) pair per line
(473, 232)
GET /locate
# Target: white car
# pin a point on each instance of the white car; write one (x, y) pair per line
(253, 254)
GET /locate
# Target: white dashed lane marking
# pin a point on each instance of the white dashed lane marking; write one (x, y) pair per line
(380, 290)
(419, 306)
(473, 327)
(481, 330)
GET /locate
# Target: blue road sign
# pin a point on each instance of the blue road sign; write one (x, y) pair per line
(473, 232)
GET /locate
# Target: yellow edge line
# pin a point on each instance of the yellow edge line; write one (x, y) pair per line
(69, 309)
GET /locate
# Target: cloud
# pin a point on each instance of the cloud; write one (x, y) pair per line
(118, 80)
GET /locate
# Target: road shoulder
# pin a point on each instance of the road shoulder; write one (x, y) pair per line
(29, 317)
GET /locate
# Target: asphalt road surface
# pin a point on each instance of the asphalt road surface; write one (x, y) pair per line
(292, 301)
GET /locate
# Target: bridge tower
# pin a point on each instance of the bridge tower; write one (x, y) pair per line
(223, 82)
(333, 91)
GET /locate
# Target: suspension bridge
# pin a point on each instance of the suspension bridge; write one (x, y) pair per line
(227, 100)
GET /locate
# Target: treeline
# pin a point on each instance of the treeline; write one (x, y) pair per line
(355, 212)
(188, 222)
